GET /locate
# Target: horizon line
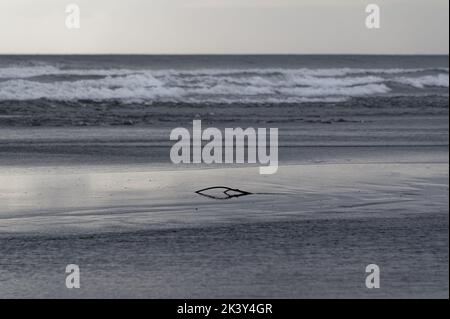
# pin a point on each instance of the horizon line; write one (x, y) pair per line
(224, 54)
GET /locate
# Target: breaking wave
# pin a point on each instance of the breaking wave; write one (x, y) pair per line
(212, 85)
(440, 80)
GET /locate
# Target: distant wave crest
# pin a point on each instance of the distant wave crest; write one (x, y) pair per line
(213, 85)
(440, 80)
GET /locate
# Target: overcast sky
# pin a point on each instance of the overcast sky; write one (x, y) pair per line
(224, 26)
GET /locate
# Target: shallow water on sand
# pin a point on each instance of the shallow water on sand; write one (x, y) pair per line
(86, 178)
(47, 202)
(309, 232)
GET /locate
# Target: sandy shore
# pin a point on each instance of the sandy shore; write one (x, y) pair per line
(359, 183)
(86, 177)
(308, 231)
(47, 201)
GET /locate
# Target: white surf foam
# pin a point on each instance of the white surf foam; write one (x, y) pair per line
(210, 85)
(440, 80)
(48, 70)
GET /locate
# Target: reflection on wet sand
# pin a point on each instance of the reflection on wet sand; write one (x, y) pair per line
(97, 201)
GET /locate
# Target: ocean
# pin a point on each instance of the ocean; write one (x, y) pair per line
(86, 177)
(219, 79)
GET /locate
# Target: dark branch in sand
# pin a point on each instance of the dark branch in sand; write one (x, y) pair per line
(226, 191)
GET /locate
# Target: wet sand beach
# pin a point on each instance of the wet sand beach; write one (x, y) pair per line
(308, 231)
(86, 177)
